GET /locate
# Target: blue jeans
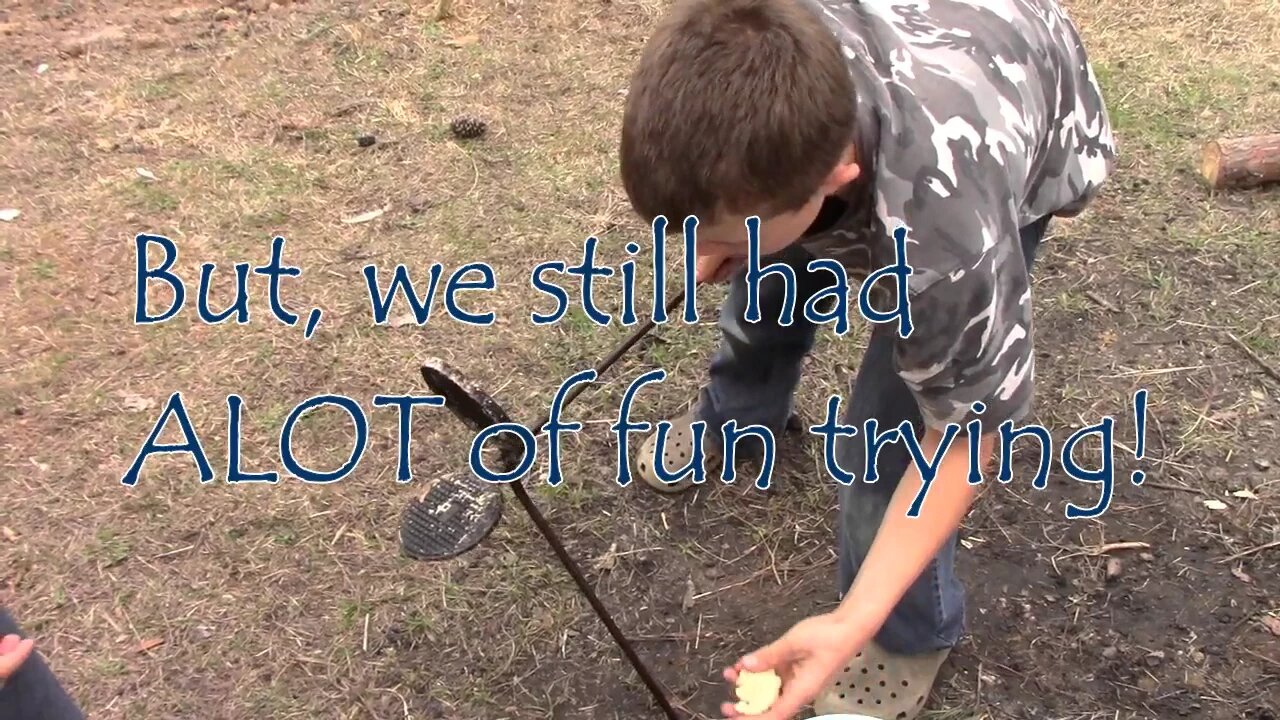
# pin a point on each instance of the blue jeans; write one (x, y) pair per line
(33, 692)
(753, 378)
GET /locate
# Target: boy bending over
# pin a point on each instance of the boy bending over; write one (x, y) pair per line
(836, 122)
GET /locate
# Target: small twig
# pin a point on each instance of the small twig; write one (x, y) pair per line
(1112, 547)
(1106, 304)
(1157, 371)
(1166, 486)
(665, 637)
(347, 108)
(1251, 551)
(1239, 290)
(173, 552)
(754, 576)
(1109, 547)
(1275, 374)
(1261, 656)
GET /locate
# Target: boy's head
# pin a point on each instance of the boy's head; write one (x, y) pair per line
(739, 108)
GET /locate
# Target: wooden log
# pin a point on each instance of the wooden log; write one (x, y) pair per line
(1241, 162)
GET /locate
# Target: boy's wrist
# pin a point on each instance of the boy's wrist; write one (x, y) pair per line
(862, 612)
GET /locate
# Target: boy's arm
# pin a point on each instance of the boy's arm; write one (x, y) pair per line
(969, 356)
(904, 545)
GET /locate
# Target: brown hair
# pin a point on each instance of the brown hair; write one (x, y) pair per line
(738, 106)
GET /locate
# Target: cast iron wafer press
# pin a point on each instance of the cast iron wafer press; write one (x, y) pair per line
(457, 513)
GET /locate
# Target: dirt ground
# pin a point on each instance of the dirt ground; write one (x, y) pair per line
(224, 125)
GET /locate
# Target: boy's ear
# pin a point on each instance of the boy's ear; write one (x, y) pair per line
(845, 172)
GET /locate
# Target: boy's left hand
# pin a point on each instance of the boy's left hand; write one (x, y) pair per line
(807, 658)
(13, 652)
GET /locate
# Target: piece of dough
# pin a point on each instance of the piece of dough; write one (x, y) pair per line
(757, 691)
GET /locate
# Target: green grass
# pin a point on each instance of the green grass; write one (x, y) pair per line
(44, 269)
(146, 196)
(1262, 343)
(352, 613)
(110, 549)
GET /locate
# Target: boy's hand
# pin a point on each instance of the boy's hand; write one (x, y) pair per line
(13, 652)
(807, 658)
(717, 268)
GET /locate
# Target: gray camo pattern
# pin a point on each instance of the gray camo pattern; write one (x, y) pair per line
(978, 118)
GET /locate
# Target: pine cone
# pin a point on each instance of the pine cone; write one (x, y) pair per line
(467, 127)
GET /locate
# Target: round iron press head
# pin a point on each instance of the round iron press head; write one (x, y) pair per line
(454, 515)
(458, 511)
(464, 399)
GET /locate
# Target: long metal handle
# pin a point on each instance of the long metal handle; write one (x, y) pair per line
(610, 359)
(655, 689)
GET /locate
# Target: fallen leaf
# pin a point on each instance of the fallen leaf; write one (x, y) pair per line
(136, 403)
(402, 320)
(147, 645)
(9, 214)
(79, 44)
(1257, 395)
(690, 592)
(1241, 575)
(1245, 494)
(462, 41)
(146, 173)
(1215, 504)
(9, 534)
(365, 217)
(1272, 623)
(608, 560)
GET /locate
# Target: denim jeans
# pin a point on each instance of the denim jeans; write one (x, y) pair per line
(33, 692)
(753, 378)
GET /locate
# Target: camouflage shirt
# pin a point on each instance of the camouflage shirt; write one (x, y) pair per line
(976, 118)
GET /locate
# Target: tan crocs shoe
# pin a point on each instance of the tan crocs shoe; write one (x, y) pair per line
(882, 685)
(677, 451)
